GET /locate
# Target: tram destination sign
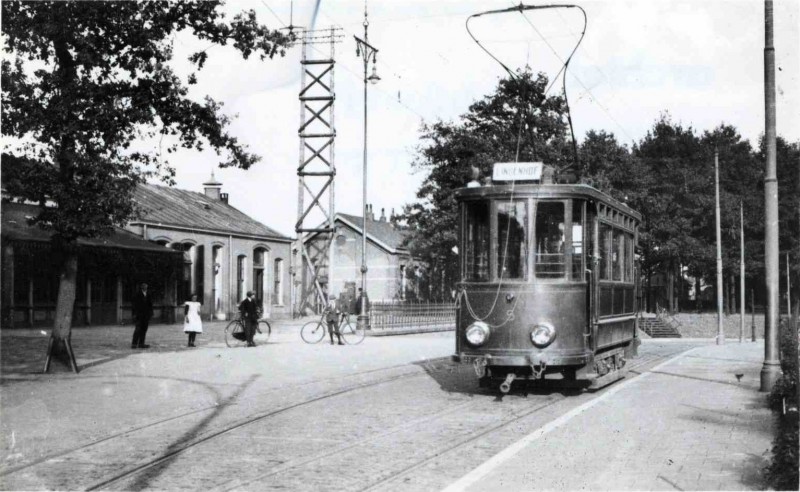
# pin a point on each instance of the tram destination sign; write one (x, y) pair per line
(517, 171)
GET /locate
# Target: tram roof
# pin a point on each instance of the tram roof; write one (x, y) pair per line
(547, 191)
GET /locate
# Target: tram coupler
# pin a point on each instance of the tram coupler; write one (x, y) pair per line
(505, 386)
(479, 365)
(537, 370)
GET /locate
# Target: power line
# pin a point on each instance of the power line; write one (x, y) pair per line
(348, 69)
(586, 89)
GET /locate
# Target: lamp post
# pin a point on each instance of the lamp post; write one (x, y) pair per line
(365, 51)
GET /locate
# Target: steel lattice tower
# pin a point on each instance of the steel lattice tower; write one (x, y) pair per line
(316, 171)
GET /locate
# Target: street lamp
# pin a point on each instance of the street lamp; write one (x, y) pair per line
(366, 51)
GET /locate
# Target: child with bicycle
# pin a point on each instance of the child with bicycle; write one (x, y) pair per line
(332, 315)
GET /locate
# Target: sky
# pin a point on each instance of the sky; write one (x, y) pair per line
(700, 61)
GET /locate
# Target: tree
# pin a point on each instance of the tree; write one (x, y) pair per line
(86, 81)
(516, 120)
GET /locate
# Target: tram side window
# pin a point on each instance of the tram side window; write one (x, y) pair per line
(618, 255)
(476, 238)
(512, 219)
(629, 257)
(605, 251)
(550, 240)
(577, 241)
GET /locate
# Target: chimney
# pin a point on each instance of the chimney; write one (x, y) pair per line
(370, 215)
(383, 215)
(212, 189)
(223, 197)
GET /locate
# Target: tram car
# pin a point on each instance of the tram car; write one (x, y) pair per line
(549, 283)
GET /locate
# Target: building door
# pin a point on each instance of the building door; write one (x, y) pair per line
(104, 300)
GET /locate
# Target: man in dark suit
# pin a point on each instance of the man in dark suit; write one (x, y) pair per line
(249, 312)
(142, 312)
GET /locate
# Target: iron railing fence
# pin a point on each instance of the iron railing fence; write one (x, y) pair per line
(394, 315)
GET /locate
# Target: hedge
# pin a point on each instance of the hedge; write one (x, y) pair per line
(782, 472)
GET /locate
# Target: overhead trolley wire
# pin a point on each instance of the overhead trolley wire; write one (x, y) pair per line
(578, 79)
(521, 8)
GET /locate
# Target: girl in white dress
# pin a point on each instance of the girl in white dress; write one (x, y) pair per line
(192, 324)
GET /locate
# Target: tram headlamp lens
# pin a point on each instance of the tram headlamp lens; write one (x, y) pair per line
(543, 335)
(477, 333)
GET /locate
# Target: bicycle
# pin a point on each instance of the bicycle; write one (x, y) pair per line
(234, 332)
(314, 331)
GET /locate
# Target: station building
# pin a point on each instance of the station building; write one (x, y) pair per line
(184, 243)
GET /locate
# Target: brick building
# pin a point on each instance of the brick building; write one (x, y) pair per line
(225, 252)
(392, 271)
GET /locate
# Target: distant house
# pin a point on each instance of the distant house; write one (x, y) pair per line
(225, 252)
(391, 273)
(108, 270)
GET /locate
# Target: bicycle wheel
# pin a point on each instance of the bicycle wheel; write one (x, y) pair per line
(234, 334)
(265, 329)
(353, 335)
(312, 332)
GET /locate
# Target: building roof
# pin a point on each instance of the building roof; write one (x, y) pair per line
(165, 206)
(16, 228)
(379, 231)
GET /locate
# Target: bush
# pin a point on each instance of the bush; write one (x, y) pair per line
(782, 473)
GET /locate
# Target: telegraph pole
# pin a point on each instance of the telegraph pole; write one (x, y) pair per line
(741, 273)
(771, 368)
(720, 330)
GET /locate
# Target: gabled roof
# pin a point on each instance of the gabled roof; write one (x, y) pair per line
(162, 205)
(16, 228)
(380, 232)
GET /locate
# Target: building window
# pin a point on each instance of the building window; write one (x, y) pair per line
(191, 281)
(241, 264)
(277, 291)
(259, 260)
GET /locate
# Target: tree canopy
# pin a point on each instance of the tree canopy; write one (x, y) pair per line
(85, 86)
(87, 80)
(517, 118)
(668, 176)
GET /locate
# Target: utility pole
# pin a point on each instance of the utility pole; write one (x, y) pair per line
(365, 51)
(741, 272)
(753, 314)
(788, 289)
(720, 330)
(771, 368)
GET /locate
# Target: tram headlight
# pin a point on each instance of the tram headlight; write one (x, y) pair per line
(477, 333)
(543, 335)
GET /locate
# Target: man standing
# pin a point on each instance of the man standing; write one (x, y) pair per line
(142, 312)
(249, 312)
(332, 314)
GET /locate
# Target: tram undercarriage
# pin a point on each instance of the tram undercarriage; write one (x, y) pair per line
(598, 371)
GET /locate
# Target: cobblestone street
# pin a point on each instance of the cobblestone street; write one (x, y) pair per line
(390, 414)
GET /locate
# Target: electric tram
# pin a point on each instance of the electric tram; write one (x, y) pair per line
(548, 280)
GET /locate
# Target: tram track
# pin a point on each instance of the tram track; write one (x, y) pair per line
(400, 474)
(60, 455)
(433, 365)
(163, 457)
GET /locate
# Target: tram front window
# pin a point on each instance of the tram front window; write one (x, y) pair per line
(550, 240)
(476, 247)
(512, 219)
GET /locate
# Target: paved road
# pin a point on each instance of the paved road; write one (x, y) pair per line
(389, 414)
